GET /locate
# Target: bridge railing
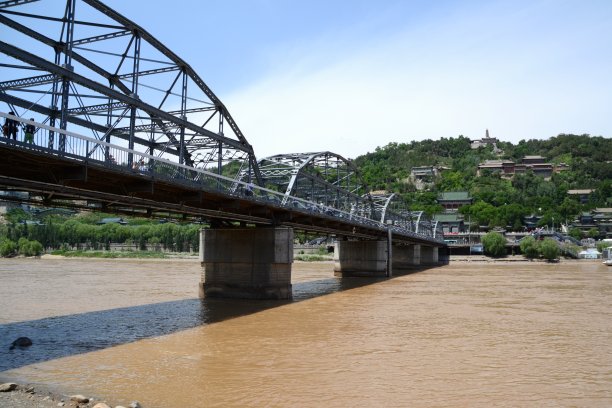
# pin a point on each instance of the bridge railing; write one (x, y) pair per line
(63, 143)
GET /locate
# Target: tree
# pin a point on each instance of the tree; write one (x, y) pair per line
(494, 244)
(575, 233)
(483, 213)
(529, 247)
(7, 248)
(593, 233)
(549, 249)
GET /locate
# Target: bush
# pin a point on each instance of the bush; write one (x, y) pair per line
(22, 244)
(494, 244)
(29, 248)
(575, 233)
(529, 247)
(36, 248)
(603, 245)
(7, 248)
(550, 249)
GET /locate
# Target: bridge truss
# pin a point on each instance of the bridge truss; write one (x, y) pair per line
(109, 100)
(323, 178)
(87, 66)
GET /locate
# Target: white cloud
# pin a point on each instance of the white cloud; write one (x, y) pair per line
(437, 80)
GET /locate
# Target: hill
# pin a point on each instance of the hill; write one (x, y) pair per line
(499, 200)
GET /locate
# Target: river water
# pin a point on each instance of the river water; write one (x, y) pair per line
(465, 334)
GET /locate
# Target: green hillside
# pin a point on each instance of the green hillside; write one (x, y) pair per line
(498, 201)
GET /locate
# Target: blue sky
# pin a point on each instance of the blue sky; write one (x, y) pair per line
(348, 76)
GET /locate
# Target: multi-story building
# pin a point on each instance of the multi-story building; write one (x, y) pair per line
(581, 194)
(599, 218)
(452, 200)
(508, 168)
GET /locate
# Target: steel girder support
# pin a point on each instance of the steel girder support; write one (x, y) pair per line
(244, 145)
(124, 28)
(113, 79)
(12, 3)
(101, 37)
(77, 121)
(324, 178)
(392, 210)
(111, 93)
(28, 82)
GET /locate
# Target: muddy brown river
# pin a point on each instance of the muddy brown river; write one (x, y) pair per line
(462, 335)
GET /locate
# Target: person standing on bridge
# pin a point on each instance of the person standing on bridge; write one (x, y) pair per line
(249, 189)
(10, 127)
(29, 131)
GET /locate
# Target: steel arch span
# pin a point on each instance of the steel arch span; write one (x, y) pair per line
(86, 67)
(325, 179)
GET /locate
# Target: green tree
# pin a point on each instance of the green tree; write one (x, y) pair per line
(494, 244)
(481, 212)
(529, 247)
(593, 233)
(549, 249)
(29, 248)
(575, 233)
(7, 248)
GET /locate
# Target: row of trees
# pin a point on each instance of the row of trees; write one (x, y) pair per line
(22, 247)
(494, 244)
(84, 232)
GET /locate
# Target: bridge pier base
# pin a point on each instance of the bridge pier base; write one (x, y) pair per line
(360, 258)
(248, 263)
(406, 256)
(429, 255)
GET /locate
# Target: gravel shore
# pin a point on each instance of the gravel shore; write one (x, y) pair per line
(25, 396)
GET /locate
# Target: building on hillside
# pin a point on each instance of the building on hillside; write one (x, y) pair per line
(599, 218)
(504, 167)
(582, 195)
(485, 141)
(531, 221)
(527, 160)
(561, 167)
(452, 223)
(603, 219)
(424, 177)
(452, 200)
(424, 173)
(508, 168)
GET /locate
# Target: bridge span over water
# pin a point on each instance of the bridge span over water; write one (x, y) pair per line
(102, 115)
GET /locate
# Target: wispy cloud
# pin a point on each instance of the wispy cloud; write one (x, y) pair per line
(506, 68)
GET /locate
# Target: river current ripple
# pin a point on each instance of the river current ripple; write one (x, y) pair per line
(466, 334)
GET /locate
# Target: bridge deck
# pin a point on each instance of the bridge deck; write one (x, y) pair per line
(116, 188)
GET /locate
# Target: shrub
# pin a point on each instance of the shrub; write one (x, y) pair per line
(494, 244)
(575, 233)
(529, 247)
(7, 248)
(22, 245)
(603, 245)
(36, 248)
(550, 249)
(29, 248)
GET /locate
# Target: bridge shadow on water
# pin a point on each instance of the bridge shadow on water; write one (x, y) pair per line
(63, 336)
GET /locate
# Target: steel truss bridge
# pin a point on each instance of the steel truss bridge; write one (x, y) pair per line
(123, 124)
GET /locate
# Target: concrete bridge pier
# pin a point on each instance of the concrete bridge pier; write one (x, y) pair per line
(371, 258)
(361, 258)
(406, 256)
(429, 255)
(248, 263)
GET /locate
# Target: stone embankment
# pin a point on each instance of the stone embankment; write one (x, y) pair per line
(23, 396)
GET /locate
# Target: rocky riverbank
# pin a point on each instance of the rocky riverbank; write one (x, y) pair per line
(25, 396)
